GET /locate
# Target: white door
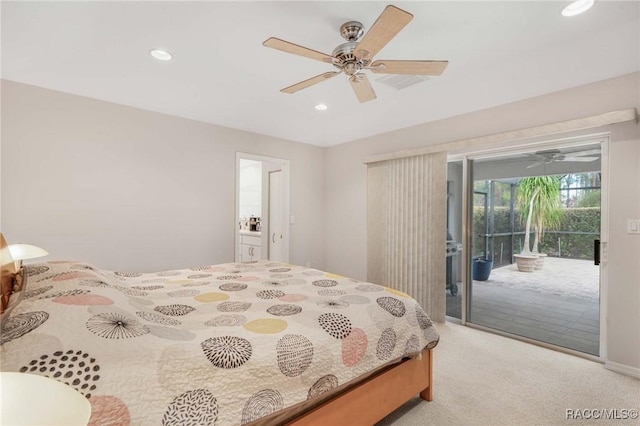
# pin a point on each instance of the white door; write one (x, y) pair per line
(276, 216)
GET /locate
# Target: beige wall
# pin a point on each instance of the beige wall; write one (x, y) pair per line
(346, 188)
(128, 189)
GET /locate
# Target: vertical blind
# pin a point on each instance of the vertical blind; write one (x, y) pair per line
(406, 228)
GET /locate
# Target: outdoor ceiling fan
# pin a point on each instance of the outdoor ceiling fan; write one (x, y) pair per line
(552, 155)
(354, 57)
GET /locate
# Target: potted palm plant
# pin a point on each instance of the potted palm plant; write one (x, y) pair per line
(540, 195)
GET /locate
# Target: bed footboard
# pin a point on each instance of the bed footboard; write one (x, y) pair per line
(372, 400)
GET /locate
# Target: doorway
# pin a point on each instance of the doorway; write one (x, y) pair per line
(262, 208)
(557, 304)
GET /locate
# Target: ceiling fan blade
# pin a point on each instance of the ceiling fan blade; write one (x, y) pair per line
(310, 82)
(409, 67)
(285, 46)
(388, 24)
(362, 87)
(583, 153)
(537, 163)
(580, 159)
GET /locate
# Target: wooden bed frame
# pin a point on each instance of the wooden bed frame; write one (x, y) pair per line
(370, 401)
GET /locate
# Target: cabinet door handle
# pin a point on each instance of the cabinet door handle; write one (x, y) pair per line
(250, 251)
(273, 238)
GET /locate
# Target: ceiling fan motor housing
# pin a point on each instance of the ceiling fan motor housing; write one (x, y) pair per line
(346, 60)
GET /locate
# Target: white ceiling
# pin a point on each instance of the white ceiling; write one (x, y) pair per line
(498, 52)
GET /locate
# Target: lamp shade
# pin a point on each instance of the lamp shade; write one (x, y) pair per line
(26, 251)
(30, 399)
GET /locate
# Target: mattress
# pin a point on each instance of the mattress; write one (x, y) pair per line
(224, 344)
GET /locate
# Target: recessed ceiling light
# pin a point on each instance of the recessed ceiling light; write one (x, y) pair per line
(321, 107)
(160, 54)
(577, 7)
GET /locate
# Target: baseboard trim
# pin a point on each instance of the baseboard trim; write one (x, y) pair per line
(623, 369)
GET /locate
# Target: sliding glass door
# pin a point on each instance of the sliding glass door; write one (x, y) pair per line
(554, 295)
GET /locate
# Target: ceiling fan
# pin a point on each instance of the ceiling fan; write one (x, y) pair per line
(552, 155)
(353, 57)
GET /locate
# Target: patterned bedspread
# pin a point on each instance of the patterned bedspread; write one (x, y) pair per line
(223, 344)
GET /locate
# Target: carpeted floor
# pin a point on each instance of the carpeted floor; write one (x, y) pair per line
(485, 379)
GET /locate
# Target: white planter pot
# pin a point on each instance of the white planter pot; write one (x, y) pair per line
(526, 263)
(540, 260)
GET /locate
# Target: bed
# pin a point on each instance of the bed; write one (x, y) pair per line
(238, 343)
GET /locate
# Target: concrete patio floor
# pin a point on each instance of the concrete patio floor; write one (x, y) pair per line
(558, 304)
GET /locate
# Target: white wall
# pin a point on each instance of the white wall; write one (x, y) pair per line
(128, 189)
(346, 188)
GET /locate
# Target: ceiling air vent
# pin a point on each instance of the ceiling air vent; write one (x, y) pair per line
(400, 81)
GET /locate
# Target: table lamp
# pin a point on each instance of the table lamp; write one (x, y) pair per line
(31, 399)
(20, 252)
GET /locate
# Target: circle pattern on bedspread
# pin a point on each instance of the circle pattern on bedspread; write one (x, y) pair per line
(280, 270)
(73, 368)
(333, 304)
(168, 273)
(227, 351)
(228, 277)
(157, 318)
(183, 293)
(369, 287)
(269, 294)
(432, 344)
(284, 310)
(211, 297)
(174, 310)
(74, 292)
(293, 298)
(198, 276)
(113, 325)
(337, 325)
(331, 292)
(192, 408)
(108, 410)
(322, 385)
(21, 324)
(281, 276)
(148, 287)
(130, 291)
(354, 346)
(32, 271)
(386, 344)
(261, 404)
(228, 320)
(294, 353)
(413, 345)
(94, 283)
(128, 274)
(36, 292)
(234, 306)
(266, 325)
(423, 320)
(233, 286)
(392, 305)
(325, 283)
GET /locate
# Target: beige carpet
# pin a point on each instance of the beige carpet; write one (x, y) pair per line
(485, 379)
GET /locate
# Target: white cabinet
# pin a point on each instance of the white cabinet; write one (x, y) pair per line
(250, 248)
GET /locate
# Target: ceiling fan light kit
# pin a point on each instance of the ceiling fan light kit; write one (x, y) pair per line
(356, 55)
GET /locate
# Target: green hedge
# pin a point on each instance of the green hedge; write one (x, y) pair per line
(556, 242)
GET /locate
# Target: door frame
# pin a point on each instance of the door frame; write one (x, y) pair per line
(467, 218)
(286, 205)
